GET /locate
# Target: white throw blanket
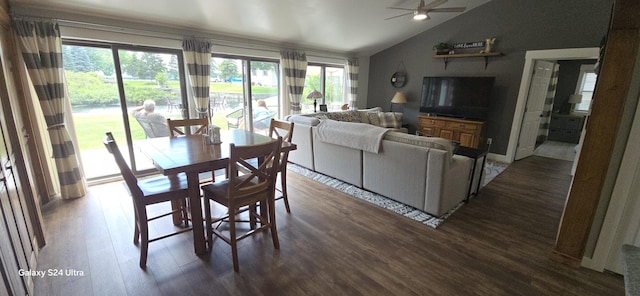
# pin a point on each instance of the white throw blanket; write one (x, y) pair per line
(355, 135)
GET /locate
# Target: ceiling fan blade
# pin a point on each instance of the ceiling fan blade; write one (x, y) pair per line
(398, 16)
(401, 8)
(450, 9)
(434, 4)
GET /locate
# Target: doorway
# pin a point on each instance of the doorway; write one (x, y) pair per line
(527, 75)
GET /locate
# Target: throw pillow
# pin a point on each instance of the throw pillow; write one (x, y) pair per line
(301, 119)
(348, 116)
(429, 142)
(364, 113)
(373, 118)
(390, 119)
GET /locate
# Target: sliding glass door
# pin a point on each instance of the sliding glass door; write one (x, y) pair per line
(109, 86)
(244, 101)
(105, 85)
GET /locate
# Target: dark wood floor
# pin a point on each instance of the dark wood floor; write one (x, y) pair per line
(333, 244)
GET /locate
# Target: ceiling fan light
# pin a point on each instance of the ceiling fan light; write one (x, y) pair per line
(420, 16)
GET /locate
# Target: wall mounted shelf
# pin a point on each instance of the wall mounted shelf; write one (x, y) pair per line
(446, 57)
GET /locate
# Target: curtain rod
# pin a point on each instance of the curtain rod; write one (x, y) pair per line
(240, 44)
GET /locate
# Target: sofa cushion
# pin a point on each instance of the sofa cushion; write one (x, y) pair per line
(429, 142)
(301, 119)
(348, 116)
(386, 119)
(390, 119)
(373, 118)
(364, 113)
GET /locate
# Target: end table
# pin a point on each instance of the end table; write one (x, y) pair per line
(474, 154)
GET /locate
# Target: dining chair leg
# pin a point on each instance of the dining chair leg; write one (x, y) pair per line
(136, 227)
(136, 231)
(272, 223)
(233, 240)
(185, 211)
(207, 219)
(252, 219)
(144, 246)
(283, 184)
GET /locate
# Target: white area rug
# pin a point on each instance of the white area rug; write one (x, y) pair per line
(492, 169)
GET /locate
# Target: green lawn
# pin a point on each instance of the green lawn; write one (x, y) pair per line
(90, 129)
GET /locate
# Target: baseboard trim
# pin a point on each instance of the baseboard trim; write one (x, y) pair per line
(499, 158)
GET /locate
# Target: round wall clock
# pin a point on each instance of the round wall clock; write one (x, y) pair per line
(398, 79)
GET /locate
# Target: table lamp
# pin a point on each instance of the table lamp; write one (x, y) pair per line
(315, 95)
(398, 98)
(574, 99)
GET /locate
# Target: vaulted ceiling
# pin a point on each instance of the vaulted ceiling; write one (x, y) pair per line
(344, 26)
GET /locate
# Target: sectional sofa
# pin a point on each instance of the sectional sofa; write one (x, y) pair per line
(422, 172)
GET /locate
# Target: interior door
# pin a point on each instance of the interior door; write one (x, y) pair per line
(538, 89)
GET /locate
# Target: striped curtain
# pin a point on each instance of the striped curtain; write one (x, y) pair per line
(294, 71)
(41, 47)
(197, 55)
(352, 82)
(545, 120)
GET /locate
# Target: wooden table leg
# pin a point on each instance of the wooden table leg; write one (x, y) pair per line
(193, 190)
(175, 205)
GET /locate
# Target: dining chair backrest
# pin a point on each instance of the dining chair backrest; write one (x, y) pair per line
(129, 178)
(279, 128)
(256, 179)
(178, 127)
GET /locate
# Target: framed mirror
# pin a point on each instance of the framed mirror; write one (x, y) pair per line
(398, 79)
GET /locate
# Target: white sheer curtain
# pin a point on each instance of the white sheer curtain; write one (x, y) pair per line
(294, 71)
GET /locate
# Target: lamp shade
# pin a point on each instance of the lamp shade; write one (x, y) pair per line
(399, 98)
(314, 95)
(575, 99)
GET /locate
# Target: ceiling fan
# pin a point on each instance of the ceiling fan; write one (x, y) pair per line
(422, 11)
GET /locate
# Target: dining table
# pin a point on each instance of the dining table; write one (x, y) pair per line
(192, 155)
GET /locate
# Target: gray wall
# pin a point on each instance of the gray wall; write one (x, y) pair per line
(518, 25)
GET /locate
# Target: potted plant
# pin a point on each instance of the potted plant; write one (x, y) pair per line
(442, 48)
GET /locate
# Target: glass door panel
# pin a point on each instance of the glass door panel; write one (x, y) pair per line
(152, 93)
(95, 104)
(227, 92)
(265, 102)
(333, 87)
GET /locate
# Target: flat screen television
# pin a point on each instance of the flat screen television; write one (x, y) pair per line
(462, 97)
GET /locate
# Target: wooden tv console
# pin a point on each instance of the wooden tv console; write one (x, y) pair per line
(470, 133)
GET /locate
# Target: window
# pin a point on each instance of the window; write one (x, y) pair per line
(585, 87)
(328, 80)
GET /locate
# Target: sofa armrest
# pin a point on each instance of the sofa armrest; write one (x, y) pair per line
(447, 181)
(303, 139)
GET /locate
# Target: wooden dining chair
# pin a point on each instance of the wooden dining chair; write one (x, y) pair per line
(284, 129)
(179, 127)
(247, 185)
(150, 191)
